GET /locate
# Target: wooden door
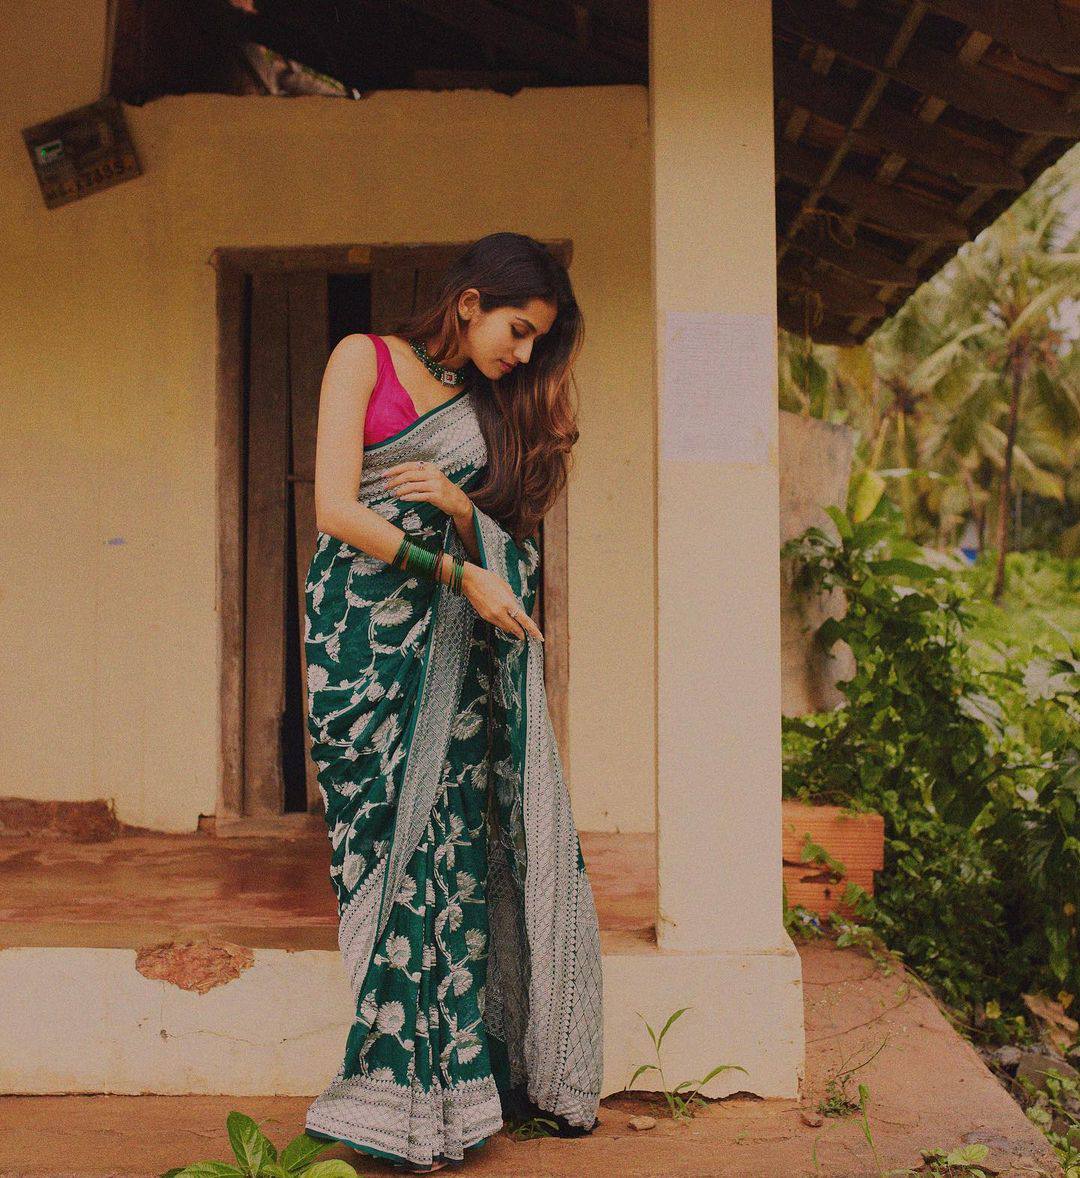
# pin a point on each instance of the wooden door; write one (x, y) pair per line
(280, 313)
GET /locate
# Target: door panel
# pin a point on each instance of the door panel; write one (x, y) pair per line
(265, 545)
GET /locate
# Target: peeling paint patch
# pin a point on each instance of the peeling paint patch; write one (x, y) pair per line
(194, 965)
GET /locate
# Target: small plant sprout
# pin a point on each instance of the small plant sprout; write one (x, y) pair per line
(1054, 1108)
(682, 1107)
(864, 1100)
(939, 1162)
(837, 1102)
(533, 1127)
(258, 1158)
(964, 1160)
(943, 1163)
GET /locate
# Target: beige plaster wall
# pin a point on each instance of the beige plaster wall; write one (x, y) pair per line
(107, 389)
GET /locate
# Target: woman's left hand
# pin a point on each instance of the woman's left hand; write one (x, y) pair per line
(426, 482)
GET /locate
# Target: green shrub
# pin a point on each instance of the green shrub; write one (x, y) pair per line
(967, 746)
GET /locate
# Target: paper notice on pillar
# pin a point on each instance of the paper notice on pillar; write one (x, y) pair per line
(718, 387)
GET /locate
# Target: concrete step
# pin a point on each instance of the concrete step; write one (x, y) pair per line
(928, 1088)
(190, 964)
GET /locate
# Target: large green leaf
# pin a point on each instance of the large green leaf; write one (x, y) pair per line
(829, 632)
(253, 1150)
(898, 566)
(301, 1151)
(1047, 483)
(839, 517)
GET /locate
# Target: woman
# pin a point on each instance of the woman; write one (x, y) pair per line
(467, 923)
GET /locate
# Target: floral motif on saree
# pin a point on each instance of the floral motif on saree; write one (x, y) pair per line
(467, 925)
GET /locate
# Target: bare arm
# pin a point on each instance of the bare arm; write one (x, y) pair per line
(347, 385)
(466, 529)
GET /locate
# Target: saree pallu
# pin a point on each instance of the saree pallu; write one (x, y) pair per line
(467, 924)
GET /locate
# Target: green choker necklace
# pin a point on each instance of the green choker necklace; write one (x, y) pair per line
(448, 376)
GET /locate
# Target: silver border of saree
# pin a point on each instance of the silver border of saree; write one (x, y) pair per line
(562, 996)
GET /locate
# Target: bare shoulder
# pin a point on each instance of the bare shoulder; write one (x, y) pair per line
(353, 363)
(354, 349)
(348, 384)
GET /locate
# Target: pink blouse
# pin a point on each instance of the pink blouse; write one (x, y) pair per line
(390, 408)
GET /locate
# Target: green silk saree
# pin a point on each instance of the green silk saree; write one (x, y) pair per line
(467, 924)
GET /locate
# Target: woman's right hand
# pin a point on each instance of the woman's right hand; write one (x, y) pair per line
(495, 601)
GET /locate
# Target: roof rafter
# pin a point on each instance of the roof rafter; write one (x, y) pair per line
(871, 203)
(1044, 30)
(866, 42)
(889, 128)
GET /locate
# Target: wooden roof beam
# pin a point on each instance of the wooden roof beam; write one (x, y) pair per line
(881, 206)
(986, 94)
(1022, 154)
(859, 260)
(888, 128)
(971, 49)
(823, 58)
(1046, 31)
(839, 294)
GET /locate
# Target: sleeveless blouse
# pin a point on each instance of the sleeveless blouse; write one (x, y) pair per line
(390, 408)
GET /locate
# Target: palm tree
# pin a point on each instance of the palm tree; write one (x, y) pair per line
(997, 373)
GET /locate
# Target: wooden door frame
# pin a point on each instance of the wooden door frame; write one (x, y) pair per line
(233, 264)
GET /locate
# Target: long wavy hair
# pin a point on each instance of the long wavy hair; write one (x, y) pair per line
(527, 417)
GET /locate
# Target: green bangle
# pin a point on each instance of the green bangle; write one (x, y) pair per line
(397, 561)
(420, 560)
(417, 559)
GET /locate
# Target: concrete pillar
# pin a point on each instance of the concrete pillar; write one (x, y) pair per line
(718, 630)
